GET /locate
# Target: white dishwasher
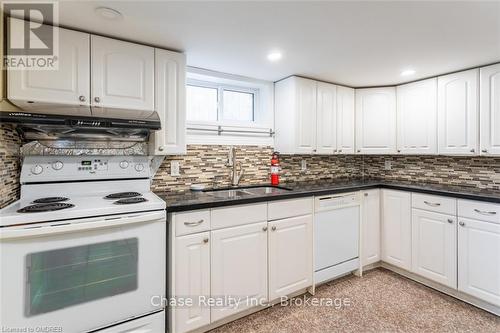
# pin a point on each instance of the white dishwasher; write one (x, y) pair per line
(336, 235)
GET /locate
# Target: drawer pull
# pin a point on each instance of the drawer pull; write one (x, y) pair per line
(193, 224)
(450, 221)
(432, 204)
(483, 212)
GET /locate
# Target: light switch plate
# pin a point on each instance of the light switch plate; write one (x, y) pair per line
(303, 165)
(388, 165)
(175, 169)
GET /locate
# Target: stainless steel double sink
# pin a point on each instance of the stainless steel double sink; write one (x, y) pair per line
(242, 192)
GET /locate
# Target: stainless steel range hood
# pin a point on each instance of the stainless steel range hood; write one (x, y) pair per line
(52, 122)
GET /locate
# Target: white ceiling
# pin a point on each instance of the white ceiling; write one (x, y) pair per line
(353, 43)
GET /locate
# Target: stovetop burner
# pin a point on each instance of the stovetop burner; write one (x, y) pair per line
(50, 200)
(130, 201)
(38, 208)
(122, 195)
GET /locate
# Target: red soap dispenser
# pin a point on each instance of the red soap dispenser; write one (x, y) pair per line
(275, 168)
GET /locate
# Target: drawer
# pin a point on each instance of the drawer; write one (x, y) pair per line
(479, 210)
(238, 215)
(288, 208)
(192, 222)
(434, 203)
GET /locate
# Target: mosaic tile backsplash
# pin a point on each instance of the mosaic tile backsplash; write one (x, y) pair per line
(207, 164)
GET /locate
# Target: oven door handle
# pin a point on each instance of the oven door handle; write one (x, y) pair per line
(63, 227)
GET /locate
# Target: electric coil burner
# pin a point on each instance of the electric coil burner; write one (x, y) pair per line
(129, 201)
(49, 207)
(50, 200)
(122, 195)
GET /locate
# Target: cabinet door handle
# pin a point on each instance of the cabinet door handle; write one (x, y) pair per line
(273, 228)
(366, 194)
(483, 212)
(264, 228)
(432, 204)
(97, 99)
(160, 148)
(82, 98)
(484, 150)
(193, 224)
(205, 240)
(461, 223)
(472, 150)
(450, 220)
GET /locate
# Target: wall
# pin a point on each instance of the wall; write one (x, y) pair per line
(9, 164)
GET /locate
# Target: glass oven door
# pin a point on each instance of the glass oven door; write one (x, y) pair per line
(82, 275)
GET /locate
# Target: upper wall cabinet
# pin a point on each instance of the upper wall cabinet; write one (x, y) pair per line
(345, 120)
(376, 120)
(69, 84)
(170, 101)
(417, 117)
(122, 74)
(458, 113)
(490, 110)
(326, 118)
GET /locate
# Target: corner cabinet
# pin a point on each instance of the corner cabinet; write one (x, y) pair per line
(417, 117)
(490, 110)
(376, 120)
(122, 75)
(170, 101)
(458, 113)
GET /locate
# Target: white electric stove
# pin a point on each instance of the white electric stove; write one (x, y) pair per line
(85, 246)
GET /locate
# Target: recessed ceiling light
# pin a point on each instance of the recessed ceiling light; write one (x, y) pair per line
(108, 13)
(408, 72)
(274, 56)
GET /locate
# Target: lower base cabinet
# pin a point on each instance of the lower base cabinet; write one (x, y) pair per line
(192, 279)
(479, 259)
(290, 255)
(434, 249)
(370, 226)
(239, 267)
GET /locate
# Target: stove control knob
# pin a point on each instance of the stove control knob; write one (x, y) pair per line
(139, 167)
(57, 165)
(37, 169)
(123, 164)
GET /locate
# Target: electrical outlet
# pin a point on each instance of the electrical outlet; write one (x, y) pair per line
(303, 165)
(388, 165)
(175, 169)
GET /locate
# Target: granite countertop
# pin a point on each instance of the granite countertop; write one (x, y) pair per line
(190, 200)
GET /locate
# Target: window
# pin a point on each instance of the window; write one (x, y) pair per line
(212, 102)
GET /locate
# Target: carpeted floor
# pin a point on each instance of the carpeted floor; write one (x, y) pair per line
(380, 301)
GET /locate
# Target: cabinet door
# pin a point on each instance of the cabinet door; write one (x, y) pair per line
(305, 131)
(396, 228)
(479, 259)
(239, 267)
(370, 246)
(458, 113)
(326, 119)
(290, 255)
(122, 75)
(170, 97)
(69, 84)
(192, 279)
(490, 110)
(434, 249)
(345, 120)
(417, 117)
(376, 120)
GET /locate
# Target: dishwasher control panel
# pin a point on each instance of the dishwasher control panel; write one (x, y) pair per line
(336, 201)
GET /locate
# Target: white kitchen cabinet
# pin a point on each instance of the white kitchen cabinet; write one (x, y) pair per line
(434, 249)
(122, 76)
(417, 117)
(479, 259)
(490, 110)
(239, 267)
(396, 228)
(290, 255)
(376, 120)
(370, 229)
(345, 120)
(326, 119)
(295, 116)
(458, 113)
(170, 97)
(192, 279)
(69, 84)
